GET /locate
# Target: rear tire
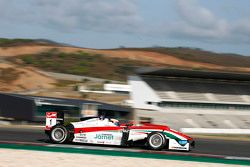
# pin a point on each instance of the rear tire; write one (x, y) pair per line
(156, 141)
(59, 134)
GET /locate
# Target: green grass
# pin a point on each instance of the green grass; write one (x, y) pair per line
(81, 63)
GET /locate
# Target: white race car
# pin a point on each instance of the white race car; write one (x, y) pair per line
(110, 132)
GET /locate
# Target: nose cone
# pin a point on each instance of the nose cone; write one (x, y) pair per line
(181, 134)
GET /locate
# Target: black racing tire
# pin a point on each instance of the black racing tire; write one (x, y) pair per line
(59, 134)
(191, 145)
(70, 129)
(156, 141)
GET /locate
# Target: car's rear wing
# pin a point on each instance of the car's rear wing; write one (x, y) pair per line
(54, 118)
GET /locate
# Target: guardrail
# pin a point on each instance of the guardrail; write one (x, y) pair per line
(215, 131)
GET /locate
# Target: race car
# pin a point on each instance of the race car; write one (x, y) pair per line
(106, 131)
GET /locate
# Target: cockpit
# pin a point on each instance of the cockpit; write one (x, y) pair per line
(100, 122)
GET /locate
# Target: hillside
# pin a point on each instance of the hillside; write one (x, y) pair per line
(113, 64)
(179, 56)
(81, 63)
(6, 42)
(199, 55)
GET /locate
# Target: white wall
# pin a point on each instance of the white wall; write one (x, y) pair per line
(117, 87)
(141, 93)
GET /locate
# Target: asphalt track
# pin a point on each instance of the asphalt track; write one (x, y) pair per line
(203, 146)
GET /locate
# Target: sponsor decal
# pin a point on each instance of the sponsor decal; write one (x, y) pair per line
(81, 137)
(51, 115)
(104, 136)
(81, 140)
(182, 148)
(82, 134)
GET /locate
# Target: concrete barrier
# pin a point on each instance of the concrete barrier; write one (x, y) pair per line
(215, 131)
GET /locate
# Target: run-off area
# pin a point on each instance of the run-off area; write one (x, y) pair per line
(12, 158)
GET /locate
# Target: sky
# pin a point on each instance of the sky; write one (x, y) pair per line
(220, 26)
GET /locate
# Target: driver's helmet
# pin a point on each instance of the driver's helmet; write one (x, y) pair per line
(102, 117)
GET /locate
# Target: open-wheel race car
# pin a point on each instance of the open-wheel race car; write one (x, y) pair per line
(106, 131)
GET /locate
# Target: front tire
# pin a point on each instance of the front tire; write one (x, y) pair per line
(59, 134)
(156, 141)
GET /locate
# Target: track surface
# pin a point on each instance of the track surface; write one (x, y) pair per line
(203, 146)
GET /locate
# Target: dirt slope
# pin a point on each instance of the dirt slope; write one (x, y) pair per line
(33, 49)
(27, 79)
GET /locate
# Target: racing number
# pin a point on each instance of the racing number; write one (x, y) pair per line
(50, 122)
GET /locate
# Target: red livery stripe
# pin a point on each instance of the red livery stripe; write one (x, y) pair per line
(96, 129)
(181, 134)
(149, 127)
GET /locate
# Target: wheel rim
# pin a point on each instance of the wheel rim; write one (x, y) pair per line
(156, 140)
(58, 134)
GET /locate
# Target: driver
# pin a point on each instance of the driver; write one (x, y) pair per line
(103, 121)
(107, 122)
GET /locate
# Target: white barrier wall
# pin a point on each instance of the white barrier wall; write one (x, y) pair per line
(215, 131)
(117, 87)
(141, 93)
